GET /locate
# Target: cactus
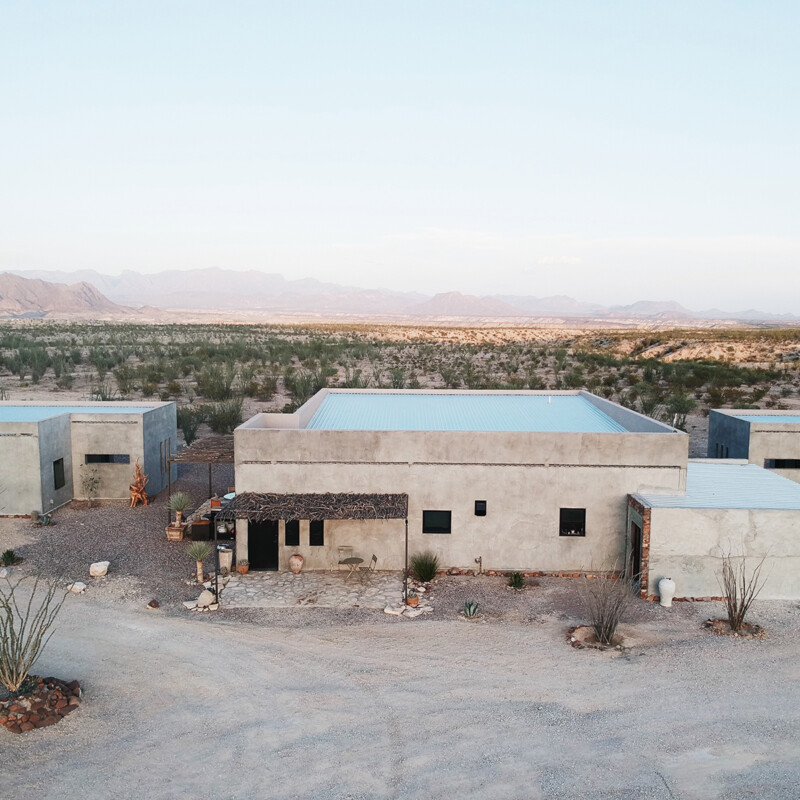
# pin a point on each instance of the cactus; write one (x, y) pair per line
(470, 609)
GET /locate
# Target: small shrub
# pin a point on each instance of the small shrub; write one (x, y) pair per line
(516, 581)
(425, 566)
(605, 598)
(740, 588)
(470, 609)
(8, 558)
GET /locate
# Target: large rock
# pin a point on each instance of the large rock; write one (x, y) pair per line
(206, 598)
(77, 588)
(99, 568)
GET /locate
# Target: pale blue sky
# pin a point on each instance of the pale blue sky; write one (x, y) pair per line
(611, 151)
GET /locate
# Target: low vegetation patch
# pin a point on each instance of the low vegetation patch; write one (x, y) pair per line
(424, 566)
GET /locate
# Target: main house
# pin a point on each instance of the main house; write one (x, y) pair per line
(48, 450)
(551, 482)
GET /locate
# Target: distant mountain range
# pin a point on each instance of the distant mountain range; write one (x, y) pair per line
(50, 293)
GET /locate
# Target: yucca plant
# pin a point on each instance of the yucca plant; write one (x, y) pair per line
(470, 609)
(179, 502)
(200, 551)
(8, 558)
(516, 581)
(424, 566)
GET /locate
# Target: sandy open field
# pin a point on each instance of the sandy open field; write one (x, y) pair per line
(178, 707)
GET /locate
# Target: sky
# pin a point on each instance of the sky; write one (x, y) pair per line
(610, 151)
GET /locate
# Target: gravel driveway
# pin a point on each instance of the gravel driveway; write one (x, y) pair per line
(208, 707)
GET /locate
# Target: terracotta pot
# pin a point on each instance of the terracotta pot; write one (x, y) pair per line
(412, 601)
(296, 563)
(243, 569)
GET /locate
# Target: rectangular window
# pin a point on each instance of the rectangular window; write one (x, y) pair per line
(436, 521)
(292, 533)
(107, 458)
(572, 522)
(480, 508)
(316, 533)
(58, 474)
(782, 463)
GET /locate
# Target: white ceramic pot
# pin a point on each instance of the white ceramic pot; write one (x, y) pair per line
(666, 591)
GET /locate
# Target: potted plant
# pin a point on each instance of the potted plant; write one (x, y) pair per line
(243, 566)
(412, 599)
(178, 503)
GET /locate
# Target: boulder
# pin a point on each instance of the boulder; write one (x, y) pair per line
(77, 588)
(99, 568)
(206, 598)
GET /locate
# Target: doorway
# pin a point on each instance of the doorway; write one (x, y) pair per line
(262, 545)
(635, 565)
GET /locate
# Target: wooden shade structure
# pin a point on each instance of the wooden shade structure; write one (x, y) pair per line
(257, 506)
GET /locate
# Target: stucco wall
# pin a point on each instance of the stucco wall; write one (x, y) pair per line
(109, 434)
(775, 442)
(525, 479)
(687, 545)
(160, 439)
(20, 469)
(54, 443)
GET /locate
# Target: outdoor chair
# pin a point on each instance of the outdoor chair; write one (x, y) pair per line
(369, 569)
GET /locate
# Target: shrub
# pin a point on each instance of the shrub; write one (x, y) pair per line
(25, 628)
(605, 598)
(189, 420)
(224, 417)
(8, 558)
(425, 566)
(516, 581)
(739, 588)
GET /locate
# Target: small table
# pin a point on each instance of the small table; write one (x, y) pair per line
(352, 564)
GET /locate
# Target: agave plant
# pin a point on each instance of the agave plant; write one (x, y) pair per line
(470, 609)
(199, 551)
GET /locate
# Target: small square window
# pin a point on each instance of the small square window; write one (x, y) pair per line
(480, 508)
(572, 522)
(292, 533)
(316, 533)
(58, 474)
(436, 521)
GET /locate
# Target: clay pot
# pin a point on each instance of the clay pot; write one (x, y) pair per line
(296, 563)
(412, 601)
(243, 569)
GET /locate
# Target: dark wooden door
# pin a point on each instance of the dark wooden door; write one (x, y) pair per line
(262, 545)
(636, 553)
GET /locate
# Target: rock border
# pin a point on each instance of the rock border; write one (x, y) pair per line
(46, 704)
(580, 643)
(721, 627)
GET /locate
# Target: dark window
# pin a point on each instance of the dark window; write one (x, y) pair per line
(572, 522)
(480, 508)
(782, 463)
(58, 474)
(316, 533)
(292, 533)
(107, 458)
(436, 521)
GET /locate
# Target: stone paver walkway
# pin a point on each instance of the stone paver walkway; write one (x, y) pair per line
(321, 589)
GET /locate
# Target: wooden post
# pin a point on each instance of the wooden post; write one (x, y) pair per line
(210, 492)
(405, 573)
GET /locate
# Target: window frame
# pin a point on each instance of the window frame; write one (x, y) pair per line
(574, 528)
(435, 529)
(316, 530)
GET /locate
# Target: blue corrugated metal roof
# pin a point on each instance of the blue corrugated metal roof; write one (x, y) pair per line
(38, 413)
(724, 485)
(461, 412)
(781, 419)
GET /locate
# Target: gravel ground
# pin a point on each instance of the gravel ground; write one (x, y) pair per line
(207, 707)
(144, 565)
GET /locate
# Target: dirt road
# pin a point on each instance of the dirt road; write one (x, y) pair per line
(188, 707)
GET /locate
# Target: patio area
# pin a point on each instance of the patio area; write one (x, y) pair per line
(315, 589)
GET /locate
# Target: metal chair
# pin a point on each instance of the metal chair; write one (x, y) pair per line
(369, 569)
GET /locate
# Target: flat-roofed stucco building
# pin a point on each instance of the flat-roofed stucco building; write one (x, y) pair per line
(770, 439)
(531, 481)
(46, 448)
